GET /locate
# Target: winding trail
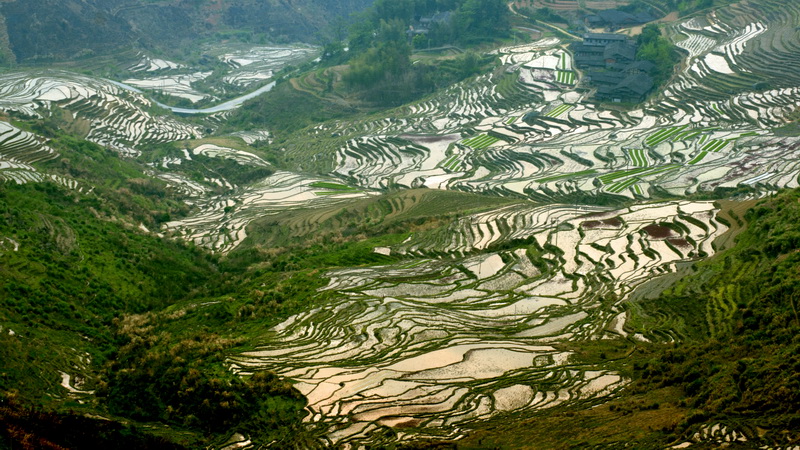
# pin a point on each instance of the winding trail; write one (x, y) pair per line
(539, 22)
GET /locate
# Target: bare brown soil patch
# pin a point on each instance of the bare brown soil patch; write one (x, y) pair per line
(613, 222)
(658, 231)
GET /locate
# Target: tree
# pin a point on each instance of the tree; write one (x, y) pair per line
(481, 19)
(655, 48)
(420, 41)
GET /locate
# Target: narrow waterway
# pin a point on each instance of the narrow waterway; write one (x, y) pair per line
(226, 106)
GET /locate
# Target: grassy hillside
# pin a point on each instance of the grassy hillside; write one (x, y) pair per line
(749, 354)
(83, 287)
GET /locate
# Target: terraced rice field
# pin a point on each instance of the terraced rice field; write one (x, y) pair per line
(702, 112)
(251, 137)
(462, 331)
(559, 110)
(221, 221)
(250, 65)
(173, 85)
(118, 119)
(243, 157)
(467, 325)
(148, 64)
(22, 146)
(435, 344)
(481, 142)
(19, 150)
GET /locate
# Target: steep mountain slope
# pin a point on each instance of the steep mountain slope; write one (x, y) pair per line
(46, 30)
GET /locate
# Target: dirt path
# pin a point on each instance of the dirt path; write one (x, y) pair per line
(544, 24)
(635, 31)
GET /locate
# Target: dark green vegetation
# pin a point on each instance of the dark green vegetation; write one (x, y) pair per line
(385, 75)
(683, 7)
(654, 47)
(66, 29)
(749, 345)
(449, 21)
(272, 111)
(183, 382)
(80, 284)
(22, 428)
(792, 128)
(381, 42)
(736, 362)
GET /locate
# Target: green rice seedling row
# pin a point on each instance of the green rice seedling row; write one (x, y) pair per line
(663, 135)
(481, 141)
(698, 158)
(637, 157)
(622, 185)
(558, 111)
(565, 77)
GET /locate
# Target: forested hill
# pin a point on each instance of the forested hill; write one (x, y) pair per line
(46, 30)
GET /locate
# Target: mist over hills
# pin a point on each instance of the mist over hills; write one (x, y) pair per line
(48, 30)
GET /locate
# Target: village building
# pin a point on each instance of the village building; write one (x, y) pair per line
(610, 60)
(613, 19)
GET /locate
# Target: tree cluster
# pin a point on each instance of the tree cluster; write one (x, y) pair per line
(381, 42)
(183, 382)
(653, 47)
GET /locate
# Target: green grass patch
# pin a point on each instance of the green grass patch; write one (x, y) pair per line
(332, 186)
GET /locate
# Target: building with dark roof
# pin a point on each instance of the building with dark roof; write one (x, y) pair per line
(602, 39)
(423, 25)
(589, 55)
(603, 50)
(609, 79)
(615, 19)
(612, 67)
(622, 52)
(633, 88)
